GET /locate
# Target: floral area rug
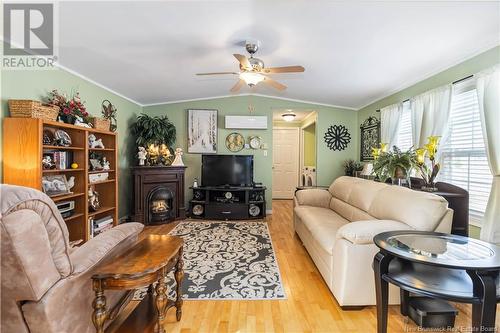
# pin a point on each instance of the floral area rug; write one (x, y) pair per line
(226, 261)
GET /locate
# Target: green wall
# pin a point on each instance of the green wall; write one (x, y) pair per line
(329, 163)
(310, 145)
(457, 72)
(27, 84)
(469, 67)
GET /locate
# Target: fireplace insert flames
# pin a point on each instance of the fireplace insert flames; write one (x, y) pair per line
(160, 203)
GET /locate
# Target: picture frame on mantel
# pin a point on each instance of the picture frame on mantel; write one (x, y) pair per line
(202, 131)
(370, 138)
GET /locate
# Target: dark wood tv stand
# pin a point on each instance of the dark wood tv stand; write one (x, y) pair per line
(228, 202)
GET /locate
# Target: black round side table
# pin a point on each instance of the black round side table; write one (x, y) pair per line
(444, 266)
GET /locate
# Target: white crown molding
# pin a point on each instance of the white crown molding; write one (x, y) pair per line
(83, 77)
(250, 94)
(424, 77)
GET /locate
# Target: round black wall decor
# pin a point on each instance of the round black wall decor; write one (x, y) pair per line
(337, 137)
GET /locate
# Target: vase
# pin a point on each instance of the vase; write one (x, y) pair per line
(68, 118)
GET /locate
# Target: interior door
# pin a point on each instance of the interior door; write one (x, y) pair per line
(286, 158)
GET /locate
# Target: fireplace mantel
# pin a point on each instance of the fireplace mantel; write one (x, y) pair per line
(148, 179)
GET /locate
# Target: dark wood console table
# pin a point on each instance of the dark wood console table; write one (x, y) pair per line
(146, 263)
(437, 265)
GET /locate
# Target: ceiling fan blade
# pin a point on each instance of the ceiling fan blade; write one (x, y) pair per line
(243, 61)
(274, 84)
(217, 73)
(238, 85)
(285, 69)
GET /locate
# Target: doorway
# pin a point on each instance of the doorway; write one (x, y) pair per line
(294, 152)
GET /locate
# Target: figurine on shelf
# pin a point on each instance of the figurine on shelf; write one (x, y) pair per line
(153, 154)
(93, 200)
(80, 122)
(195, 183)
(165, 155)
(94, 142)
(105, 163)
(71, 183)
(178, 157)
(47, 163)
(142, 155)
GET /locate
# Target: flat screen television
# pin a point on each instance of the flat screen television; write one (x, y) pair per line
(232, 170)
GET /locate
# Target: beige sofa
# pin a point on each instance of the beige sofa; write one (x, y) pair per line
(337, 227)
(46, 285)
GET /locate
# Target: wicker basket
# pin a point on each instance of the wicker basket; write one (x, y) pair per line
(25, 108)
(101, 124)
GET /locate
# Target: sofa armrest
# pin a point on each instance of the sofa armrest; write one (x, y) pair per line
(362, 232)
(313, 197)
(98, 248)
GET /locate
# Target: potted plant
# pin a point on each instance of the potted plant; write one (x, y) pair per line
(156, 135)
(428, 172)
(351, 166)
(70, 109)
(395, 165)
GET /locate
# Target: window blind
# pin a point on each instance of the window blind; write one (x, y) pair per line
(405, 140)
(463, 160)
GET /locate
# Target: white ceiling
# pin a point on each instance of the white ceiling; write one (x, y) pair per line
(354, 52)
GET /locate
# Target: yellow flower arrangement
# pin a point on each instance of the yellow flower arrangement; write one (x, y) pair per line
(428, 173)
(376, 153)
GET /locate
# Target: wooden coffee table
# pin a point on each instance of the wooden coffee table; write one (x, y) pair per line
(145, 263)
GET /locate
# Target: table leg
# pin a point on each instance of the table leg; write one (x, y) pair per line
(179, 275)
(161, 301)
(484, 313)
(99, 314)
(381, 267)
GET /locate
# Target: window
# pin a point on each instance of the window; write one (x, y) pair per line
(405, 140)
(464, 161)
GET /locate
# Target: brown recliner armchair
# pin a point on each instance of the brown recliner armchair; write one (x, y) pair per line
(46, 285)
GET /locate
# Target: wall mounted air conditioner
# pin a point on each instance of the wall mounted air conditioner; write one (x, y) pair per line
(246, 122)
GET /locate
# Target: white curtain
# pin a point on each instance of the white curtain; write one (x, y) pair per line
(430, 112)
(488, 93)
(389, 124)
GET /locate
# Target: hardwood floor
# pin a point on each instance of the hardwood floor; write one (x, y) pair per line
(309, 307)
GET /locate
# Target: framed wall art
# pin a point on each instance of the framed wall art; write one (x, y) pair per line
(370, 137)
(202, 131)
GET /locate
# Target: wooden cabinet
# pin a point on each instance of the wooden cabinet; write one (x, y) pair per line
(23, 150)
(228, 203)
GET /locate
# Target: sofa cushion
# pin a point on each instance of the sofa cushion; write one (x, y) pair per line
(348, 211)
(420, 210)
(362, 232)
(15, 198)
(323, 224)
(313, 197)
(356, 192)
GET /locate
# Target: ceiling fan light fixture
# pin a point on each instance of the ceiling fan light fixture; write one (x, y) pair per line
(288, 116)
(252, 78)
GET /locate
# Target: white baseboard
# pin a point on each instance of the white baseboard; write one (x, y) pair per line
(269, 211)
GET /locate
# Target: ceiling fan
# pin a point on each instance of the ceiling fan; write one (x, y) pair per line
(252, 70)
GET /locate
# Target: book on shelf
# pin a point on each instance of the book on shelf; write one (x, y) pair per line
(101, 225)
(104, 229)
(91, 227)
(62, 159)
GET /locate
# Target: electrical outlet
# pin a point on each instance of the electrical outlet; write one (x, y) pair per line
(265, 152)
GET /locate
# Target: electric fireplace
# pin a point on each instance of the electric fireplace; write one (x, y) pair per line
(158, 194)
